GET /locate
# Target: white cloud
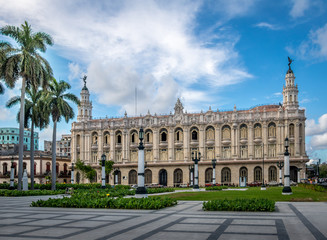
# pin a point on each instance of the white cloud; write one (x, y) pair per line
(299, 7)
(267, 25)
(319, 141)
(75, 71)
(153, 41)
(314, 47)
(313, 128)
(6, 114)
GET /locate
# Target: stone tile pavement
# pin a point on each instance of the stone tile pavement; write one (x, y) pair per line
(185, 221)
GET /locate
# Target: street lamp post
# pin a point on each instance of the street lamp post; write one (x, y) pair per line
(287, 189)
(196, 158)
(141, 190)
(318, 163)
(191, 174)
(12, 174)
(280, 165)
(263, 187)
(72, 174)
(103, 177)
(214, 161)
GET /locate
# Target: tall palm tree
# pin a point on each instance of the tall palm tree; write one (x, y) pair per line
(57, 107)
(34, 114)
(4, 49)
(25, 62)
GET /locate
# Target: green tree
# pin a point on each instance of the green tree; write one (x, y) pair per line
(87, 170)
(25, 62)
(34, 114)
(57, 107)
(5, 48)
(323, 170)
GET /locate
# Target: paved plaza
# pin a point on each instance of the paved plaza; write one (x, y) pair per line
(185, 221)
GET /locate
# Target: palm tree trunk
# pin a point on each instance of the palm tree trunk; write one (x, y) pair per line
(21, 134)
(53, 173)
(32, 155)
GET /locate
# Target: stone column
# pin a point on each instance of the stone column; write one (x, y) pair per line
(112, 145)
(186, 143)
(156, 144)
(171, 144)
(296, 140)
(217, 142)
(250, 141)
(202, 141)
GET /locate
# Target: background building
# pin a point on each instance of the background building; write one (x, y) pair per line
(11, 136)
(246, 143)
(42, 167)
(62, 146)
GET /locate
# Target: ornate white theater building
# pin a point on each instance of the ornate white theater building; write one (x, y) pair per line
(240, 140)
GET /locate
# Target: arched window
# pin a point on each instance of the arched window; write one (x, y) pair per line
(118, 137)
(257, 174)
(132, 177)
(210, 133)
(106, 138)
(291, 130)
(225, 175)
(244, 173)
(208, 175)
(272, 130)
(94, 138)
(48, 167)
(4, 168)
(179, 135)
(163, 135)
(57, 168)
(34, 168)
(226, 132)
(178, 177)
(272, 174)
(78, 140)
(24, 165)
(244, 131)
(65, 168)
(148, 136)
(257, 130)
(147, 176)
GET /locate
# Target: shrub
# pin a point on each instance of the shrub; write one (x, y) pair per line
(159, 190)
(251, 205)
(16, 193)
(216, 188)
(119, 203)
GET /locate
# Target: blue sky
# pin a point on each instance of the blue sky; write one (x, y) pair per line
(209, 53)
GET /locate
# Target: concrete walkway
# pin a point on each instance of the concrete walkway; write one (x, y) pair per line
(185, 221)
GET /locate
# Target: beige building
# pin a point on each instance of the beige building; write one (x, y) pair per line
(62, 146)
(42, 167)
(240, 140)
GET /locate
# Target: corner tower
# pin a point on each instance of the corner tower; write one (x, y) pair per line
(85, 107)
(290, 90)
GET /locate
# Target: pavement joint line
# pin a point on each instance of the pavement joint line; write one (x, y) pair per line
(314, 231)
(78, 232)
(220, 230)
(131, 228)
(281, 230)
(151, 233)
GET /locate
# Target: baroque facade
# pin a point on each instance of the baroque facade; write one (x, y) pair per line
(246, 143)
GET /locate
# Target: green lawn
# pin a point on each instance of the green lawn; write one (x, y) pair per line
(272, 193)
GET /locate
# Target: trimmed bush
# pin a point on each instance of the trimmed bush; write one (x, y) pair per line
(247, 205)
(118, 203)
(216, 188)
(16, 193)
(159, 190)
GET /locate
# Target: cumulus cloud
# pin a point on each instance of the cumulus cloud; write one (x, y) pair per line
(153, 41)
(319, 141)
(299, 7)
(267, 25)
(314, 47)
(313, 128)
